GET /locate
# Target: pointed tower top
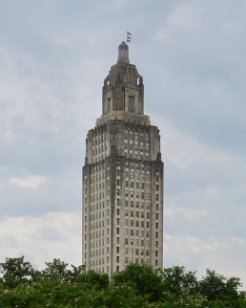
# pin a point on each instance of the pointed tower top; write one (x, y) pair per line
(123, 53)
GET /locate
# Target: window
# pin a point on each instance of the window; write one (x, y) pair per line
(109, 105)
(131, 104)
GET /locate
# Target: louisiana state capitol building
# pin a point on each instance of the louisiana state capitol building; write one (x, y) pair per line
(122, 177)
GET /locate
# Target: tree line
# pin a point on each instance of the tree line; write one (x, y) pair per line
(61, 285)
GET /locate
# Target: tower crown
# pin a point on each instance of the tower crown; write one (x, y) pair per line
(123, 88)
(123, 53)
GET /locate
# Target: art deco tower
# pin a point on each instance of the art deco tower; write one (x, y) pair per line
(122, 177)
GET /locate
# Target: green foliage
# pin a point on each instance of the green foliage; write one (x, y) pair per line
(119, 296)
(218, 289)
(56, 269)
(179, 282)
(96, 280)
(15, 271)
(142, 278)
(60, 285)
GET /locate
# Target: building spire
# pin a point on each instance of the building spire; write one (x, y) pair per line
(123, 53)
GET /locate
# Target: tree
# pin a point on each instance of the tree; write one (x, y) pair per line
(60, 285)
(142, 278)
(96, 280)
(56, 269)
(15, 271)
(179, 282)
(120, 297)
(217, 288)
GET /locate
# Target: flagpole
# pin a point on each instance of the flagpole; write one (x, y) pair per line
(128, 36)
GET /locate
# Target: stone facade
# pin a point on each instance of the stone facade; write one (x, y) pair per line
(122, 178)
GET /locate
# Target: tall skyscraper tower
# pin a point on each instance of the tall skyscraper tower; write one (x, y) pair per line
(122, 177)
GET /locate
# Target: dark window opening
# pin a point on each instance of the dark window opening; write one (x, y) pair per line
(131, 104)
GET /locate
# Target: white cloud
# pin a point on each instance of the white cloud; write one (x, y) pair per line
(42, 238)
(187, 213)
(225, 255)
(32, 182)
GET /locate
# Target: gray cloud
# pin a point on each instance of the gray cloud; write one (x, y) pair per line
(53, 59)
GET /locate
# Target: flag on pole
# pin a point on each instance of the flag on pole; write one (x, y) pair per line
(128, 37)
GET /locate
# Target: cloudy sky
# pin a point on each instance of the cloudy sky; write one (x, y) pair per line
(54, 55)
